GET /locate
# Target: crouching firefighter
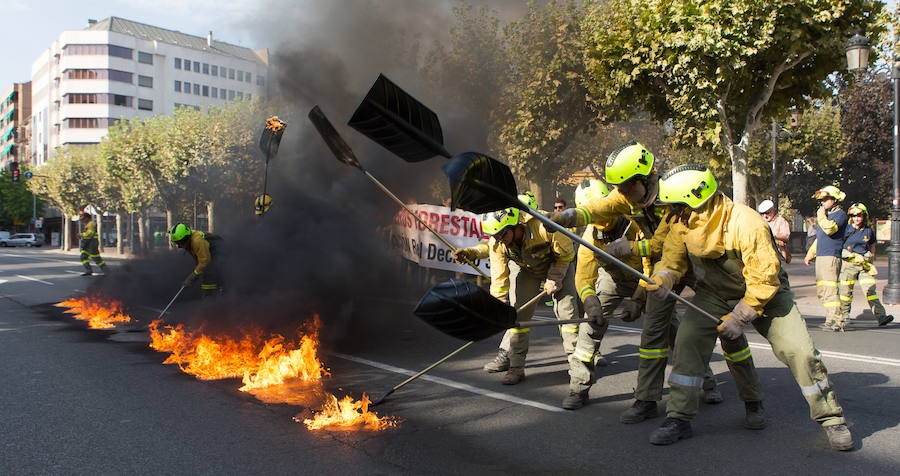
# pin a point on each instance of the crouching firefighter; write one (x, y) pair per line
(90, 246)
(542, 257)
(739, 276)
(203, 248)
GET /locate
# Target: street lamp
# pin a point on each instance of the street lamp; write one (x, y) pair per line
(857, 49)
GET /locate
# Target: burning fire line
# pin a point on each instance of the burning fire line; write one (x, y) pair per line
(274, 369)
(98, 311)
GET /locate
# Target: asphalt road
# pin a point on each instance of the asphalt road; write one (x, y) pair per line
(81, 402)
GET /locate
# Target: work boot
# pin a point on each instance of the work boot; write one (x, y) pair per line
(640, 411)
(499, 364)
(755, 418)
(712, 396)
(838, 327)
(671, 431)
(575, 400)
(600, 361)
(839, 437)
(885, 320)
(87, 273)
(827, 325)
(513, 376)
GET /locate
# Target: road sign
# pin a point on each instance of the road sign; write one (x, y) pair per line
(28, 175)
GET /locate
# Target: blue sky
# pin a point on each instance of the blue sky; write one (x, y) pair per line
(38, 23)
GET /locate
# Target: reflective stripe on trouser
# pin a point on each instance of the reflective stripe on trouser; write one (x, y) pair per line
(565, 305)
(852, 273)
(612, 288)
(828, 270)
(90, 250)
(785, 330)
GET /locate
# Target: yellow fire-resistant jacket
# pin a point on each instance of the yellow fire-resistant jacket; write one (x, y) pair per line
(90, 230)
(542, 254)
(731, 244)
(199, 250)
(588, 264)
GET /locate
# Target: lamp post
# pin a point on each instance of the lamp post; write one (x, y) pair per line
(857, 49)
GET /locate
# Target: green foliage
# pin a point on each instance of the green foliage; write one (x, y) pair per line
(16, 202)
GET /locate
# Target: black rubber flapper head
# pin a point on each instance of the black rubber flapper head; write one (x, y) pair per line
(464, 310)
(399, 122)
(475, 180)
(335, 142)
(270, 138)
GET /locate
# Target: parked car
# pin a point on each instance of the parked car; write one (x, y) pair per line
(4, 235)
(23, 239)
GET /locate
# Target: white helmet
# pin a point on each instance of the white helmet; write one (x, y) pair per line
(765, 206)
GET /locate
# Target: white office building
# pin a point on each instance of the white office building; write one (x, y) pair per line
(116, 68)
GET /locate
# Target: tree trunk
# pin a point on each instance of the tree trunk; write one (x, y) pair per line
(210, 216)
(66, 231)
(100, 232)
(142, 232)
(170, 221)
(738, 154)
(120, 249)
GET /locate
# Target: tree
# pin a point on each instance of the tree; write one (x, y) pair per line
(16, 201)
(719, 68)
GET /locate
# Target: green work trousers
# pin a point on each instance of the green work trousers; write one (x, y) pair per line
(90, 250)
(851, 273)
(784, 328)
(828, 268)
(526, 285)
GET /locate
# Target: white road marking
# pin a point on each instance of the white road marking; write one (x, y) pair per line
(35, 279)
(42, 259)
(452, 384)
(3, 281)
(74, 272)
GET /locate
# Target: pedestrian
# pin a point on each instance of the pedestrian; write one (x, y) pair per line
(730, 246)
(205, 248)
(780, 227)
(831, 221)
(630, 168)
(559, 205)
(90, 245)
(542, 257)
(858, 257)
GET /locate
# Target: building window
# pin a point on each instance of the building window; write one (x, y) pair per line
(230, 94)
(187, 65)
(94, 98)
(110, 74)
(248, 77)
(187, 87)
(56, 105)
(110, 50)
(240, 95)
(206, 91)
(205, 68)
(196, 67)
(215, 92)
(145, 81)
(82, 122)
(240, 75)
(81, 98)
(222, 71)
(146, 58)
(215, 70)
(177, 63)
(177, 86)
(120, 51)
(260, 80)
(120, 100)
(145, 104)
(196, 89)
(230, 73)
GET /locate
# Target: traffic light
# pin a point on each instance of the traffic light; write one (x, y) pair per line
(14, 171)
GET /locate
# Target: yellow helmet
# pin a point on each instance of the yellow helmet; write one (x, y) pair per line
(529, 199)
(858, 208)
(494, 223)
(262, 204)
(691, 185)
(829, 191)
(588, 190)
(626, 161)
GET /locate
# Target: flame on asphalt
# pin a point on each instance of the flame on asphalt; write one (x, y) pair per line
(98, 311)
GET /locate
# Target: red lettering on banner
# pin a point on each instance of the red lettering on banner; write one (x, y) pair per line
(473, 230)
(434, 220)
(445, 221)
(454, 223)
(424, 216)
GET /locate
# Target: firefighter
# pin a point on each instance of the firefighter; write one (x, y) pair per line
(732, 252)
(602, 287)
(832, 222)
(203, 248)
(630, 169)
(858, 257)
(541, 257)
(90, 246)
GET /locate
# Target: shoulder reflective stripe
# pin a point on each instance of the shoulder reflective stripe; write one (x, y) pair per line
(846, 298)
(826, 283)
(685, 380)
(816, 388)
(583, 356)
(831, 304)
(851, 282)
(873, 297)
(645, 250)
(515, 330)
(738, 356)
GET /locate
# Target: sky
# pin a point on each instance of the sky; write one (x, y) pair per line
(38, 23)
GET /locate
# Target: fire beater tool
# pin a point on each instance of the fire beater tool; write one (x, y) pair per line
(164, 311)
(268, 144)
(344, 154)
(480, 184)
(446, 357)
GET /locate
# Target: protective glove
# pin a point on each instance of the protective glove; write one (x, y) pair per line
(868, 256)
(551, 286)
(567, 218)
(464, 255)
(631, 308)
(857, 258)
(594, 310)
(845, 253)
(188, 281)
(663, 282)
(732, 325)
(871, 269)
(620, 249)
